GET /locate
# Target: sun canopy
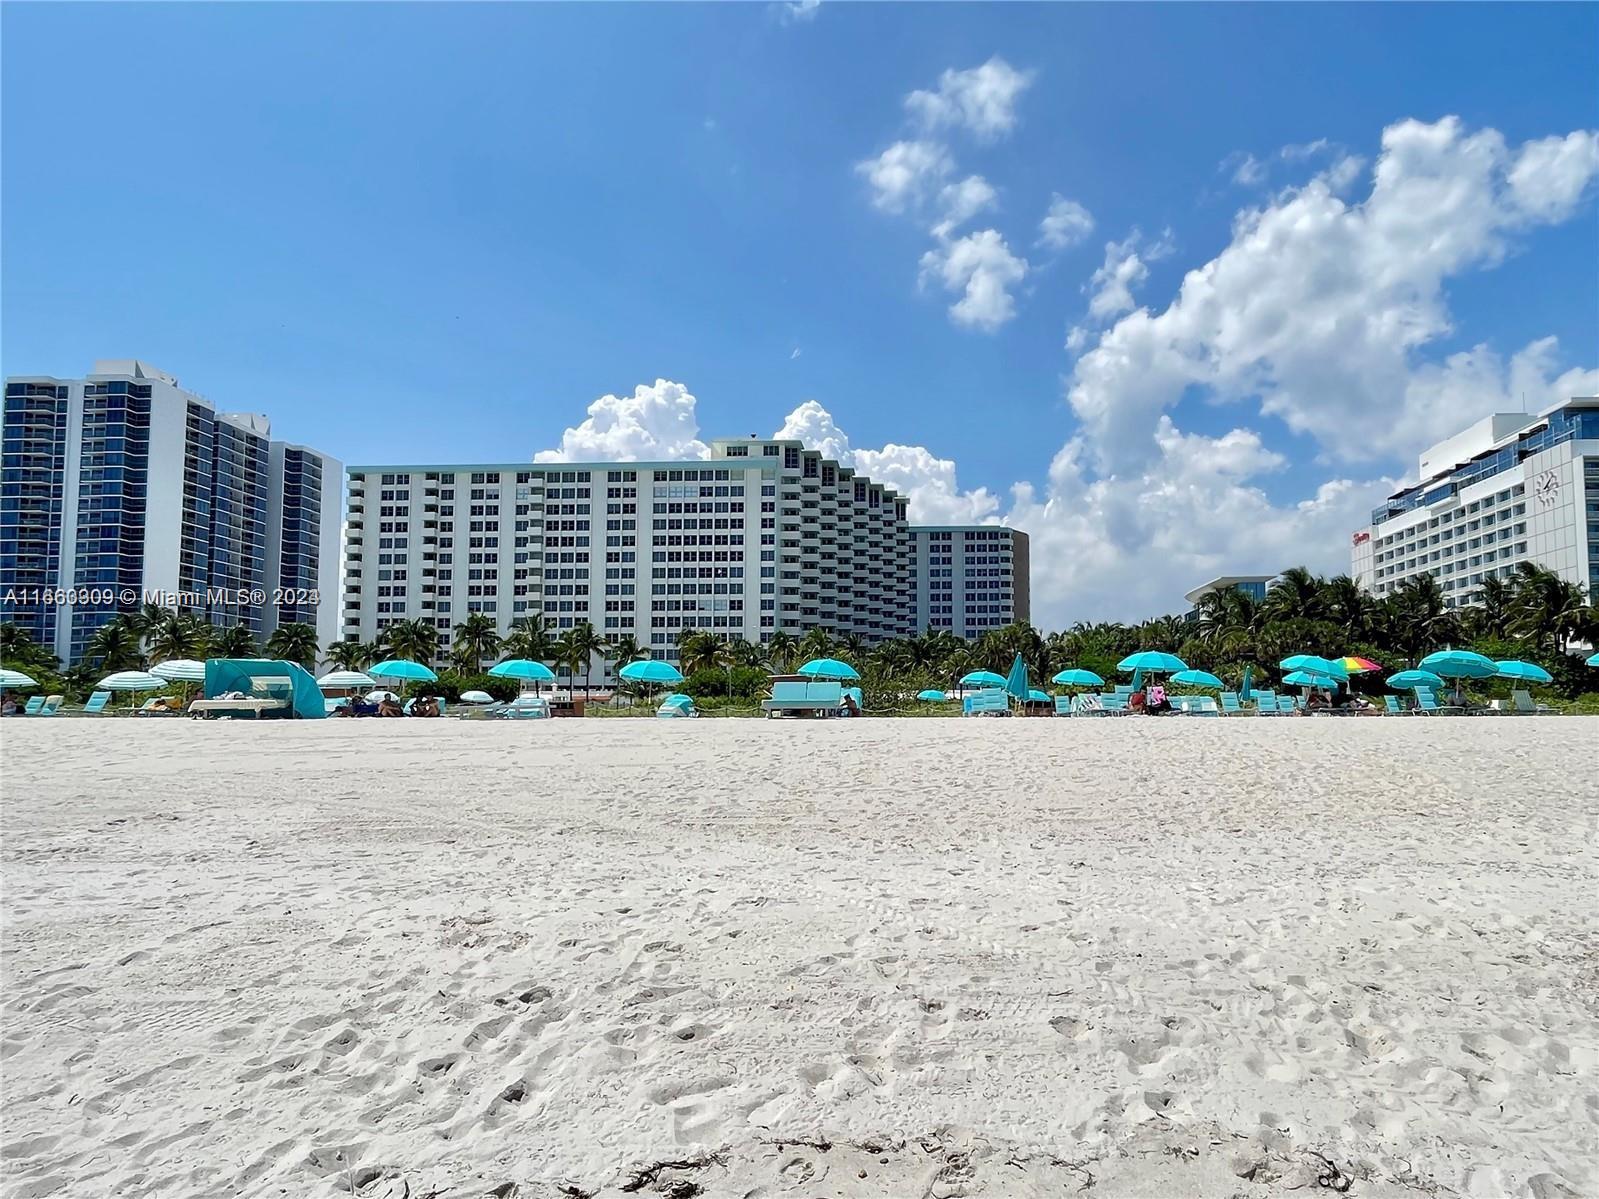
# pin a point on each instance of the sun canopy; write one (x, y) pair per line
(828, 668)
(1358, 665)
(1593, 660)
(1152, 660)
(267, 678)
(982, 678)
(1526, 672)
(16, 679)
(651, 670)
(1309, 678)
(932, 697)
(1078, 678)
(523, 668)
(476, 697)
(677, 700)
(1196, 678)
(1312, 664)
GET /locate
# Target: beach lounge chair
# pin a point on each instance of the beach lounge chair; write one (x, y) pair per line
(1230, 705)
(1390, 705)
(1115, 704)
(986, 703)
(1522, 704)
(1428, 705)
(96, 702)
(1063, 705)
(1087, 704)
(1266, 703)
(1124, 688)
(31, 708)
(523, 707)
(817, 699)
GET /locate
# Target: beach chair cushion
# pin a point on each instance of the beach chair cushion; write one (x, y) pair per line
(1229, 703)
(1391, 704)
(1063, 705)
(31, 708)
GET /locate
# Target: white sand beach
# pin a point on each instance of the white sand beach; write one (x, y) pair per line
(855, 958)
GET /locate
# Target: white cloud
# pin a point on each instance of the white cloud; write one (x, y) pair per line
(654, 422)
(797, 352)
(927, 481)
(1076, 338)
(793, 12)
(1296, 153)
(1319, 307)
(981, 267)
(1065, 224)
(962, 201)
(1250, 172)
(1111, 287)
(982, 99)
(903, 175)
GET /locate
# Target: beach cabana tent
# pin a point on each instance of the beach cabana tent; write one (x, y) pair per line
(240, 674)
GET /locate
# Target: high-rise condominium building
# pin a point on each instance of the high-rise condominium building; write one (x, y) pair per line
(121, 488)
(764, 535)
(970, 579)
(1511, 488)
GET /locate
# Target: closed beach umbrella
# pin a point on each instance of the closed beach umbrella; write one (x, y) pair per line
(982, 678)
(650, 670)
(828, 668)
(1153, 661)
(1409, 680)
(1460, 664)
(15, 679)
(1525, 672)
(931, 697)
(523, 668)
(1016, 681)
(131, 680)
(476, 697)
(1078, 678)
(345, 678)
(1196, 678)
(180, 670)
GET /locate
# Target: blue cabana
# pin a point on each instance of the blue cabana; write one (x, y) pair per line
(266, 678)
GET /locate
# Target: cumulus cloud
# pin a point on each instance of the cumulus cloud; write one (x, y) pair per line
(656, 421)
(793, 12)
(927, 481)
(1318, 308)
(962, 201)
(1250, 172)
(903, 175)
(981, 100)
(1065, 224)
(1303, 150)
(982, 269)
(1111, 287)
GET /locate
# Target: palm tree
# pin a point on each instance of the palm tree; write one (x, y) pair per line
(782, 649)
(817, 643)
(698, 649)
(21, 652)
(1344, 603)
(475, 638)
(1493, 608)
(295, 643)
(1419, 618)
(530, 637)
(566, 653)
(235, 641)
(1295, 594)
(177, 636)
(1548, 609)
(115, 645)
(416, 640)
(586, 641)
(350, 655)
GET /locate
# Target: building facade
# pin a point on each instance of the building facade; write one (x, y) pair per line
(970, 579)
(1512, 488)
(1254, 586)
(762, 536)
(121, 488)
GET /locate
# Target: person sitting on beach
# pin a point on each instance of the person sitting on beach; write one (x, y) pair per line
(427, 705)
(1155, 701)
(389, 707)
(848, 707)
(8, 706)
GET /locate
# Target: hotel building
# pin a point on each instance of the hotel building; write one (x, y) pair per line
(1512, 488)
(970, 579)
(1254, 586)
(121, 487)
(762, 536)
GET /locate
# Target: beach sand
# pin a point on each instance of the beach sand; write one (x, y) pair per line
(745, 958)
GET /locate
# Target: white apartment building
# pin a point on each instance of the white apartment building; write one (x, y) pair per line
(970, 579)
(764, 535)
(1511, 488)
(122, 487)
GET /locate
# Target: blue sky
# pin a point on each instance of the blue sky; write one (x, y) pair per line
(425, 233)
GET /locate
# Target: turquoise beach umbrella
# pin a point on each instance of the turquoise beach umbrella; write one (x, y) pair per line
(982, 678)
(651, 670)
(1593, 660)
(523, 668)
(1152, 660)
(1525, 672)
(678, 700)
(1307, 678)
(1409, 680)
(1035, 696)
(1196, 678)
(932, 697)
(1312, 664)
(402, 668)
(1078, 678)
(828, 668)
(1016, 683)
(1460, 664)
